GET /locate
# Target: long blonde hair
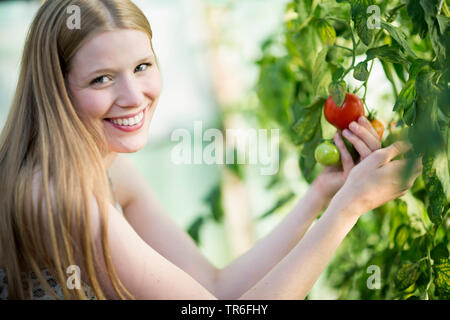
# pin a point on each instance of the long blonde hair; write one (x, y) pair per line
(44, 131)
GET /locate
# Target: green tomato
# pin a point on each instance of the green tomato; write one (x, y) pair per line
(327, 154)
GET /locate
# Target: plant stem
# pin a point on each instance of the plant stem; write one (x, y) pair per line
(431, 275)
(444, 9)
(355, 45)
(394, 11)
(310, 16)
(342, 47)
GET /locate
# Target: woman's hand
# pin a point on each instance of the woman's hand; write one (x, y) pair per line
(365, 140)
(377, 179)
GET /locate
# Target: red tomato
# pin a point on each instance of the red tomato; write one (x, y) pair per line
(340, 117)
(378, 126)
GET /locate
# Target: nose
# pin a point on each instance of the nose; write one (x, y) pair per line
(129, 93)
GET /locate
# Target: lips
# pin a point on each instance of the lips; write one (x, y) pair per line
(132, 115)
(129, 123)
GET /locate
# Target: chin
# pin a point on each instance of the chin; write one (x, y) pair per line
(130, 147)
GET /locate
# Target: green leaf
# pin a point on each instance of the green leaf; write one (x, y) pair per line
(407, 275)
(308, 120)
(443, 93)
(401, 235)
(326, 32)
(307, 161)
(409, 115)
(276, 89)
(307, 44)
(399, 70)
(443, 22)
(398, 36)
(337, 74)
(194, 228)
(431, 9)
(417, 15)
(320, 73)
(442, 277)
(338, 91)
(328, 130)
(434, 191)
(418, 66)
(387, 53)
(361, 73)
(405, 103)
(214, 200)
(235, 167)
(440, 163)
(360, 18)
(406, 97)
(351, 149)
(440, 252)
(448, 148)
(280, 203)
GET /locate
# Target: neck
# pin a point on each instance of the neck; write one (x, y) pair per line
(109, 159)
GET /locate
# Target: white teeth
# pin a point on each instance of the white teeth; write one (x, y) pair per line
(129, 121)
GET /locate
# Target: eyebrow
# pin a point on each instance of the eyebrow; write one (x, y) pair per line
(106, 70)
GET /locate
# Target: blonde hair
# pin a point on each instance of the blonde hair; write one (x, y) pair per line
(44, 131)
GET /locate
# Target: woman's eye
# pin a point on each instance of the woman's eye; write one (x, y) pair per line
(100, 80)
(142, 67)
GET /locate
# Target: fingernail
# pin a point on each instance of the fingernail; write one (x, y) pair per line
(353, 125)
(346, 132)
(362, 119)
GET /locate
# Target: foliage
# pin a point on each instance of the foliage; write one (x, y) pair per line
(321, 40)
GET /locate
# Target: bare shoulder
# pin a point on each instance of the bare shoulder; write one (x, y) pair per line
(127, 180)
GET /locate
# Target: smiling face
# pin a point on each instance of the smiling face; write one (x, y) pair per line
(114, 79)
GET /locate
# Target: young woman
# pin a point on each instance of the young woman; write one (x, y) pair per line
(69, 199)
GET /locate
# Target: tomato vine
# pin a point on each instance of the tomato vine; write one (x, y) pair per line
(321, 43)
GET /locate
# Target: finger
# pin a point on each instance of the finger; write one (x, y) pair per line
(404, 171)
(366, 123)
(346, 157)
(365, 135)
(397, 148)
(380, 157)
(360, 146)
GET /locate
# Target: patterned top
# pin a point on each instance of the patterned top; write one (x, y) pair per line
(38, 290)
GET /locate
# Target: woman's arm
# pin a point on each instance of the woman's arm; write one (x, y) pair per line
(156, 228)
(295, 275)
(241, 274)
(149, 275)
(372, 183)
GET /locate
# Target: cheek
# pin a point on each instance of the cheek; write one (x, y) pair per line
(153, 85)
(93, 104)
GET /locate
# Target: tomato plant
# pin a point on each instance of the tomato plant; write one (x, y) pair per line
(324, 44)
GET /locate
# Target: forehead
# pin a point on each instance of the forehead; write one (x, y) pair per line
(112, 49)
